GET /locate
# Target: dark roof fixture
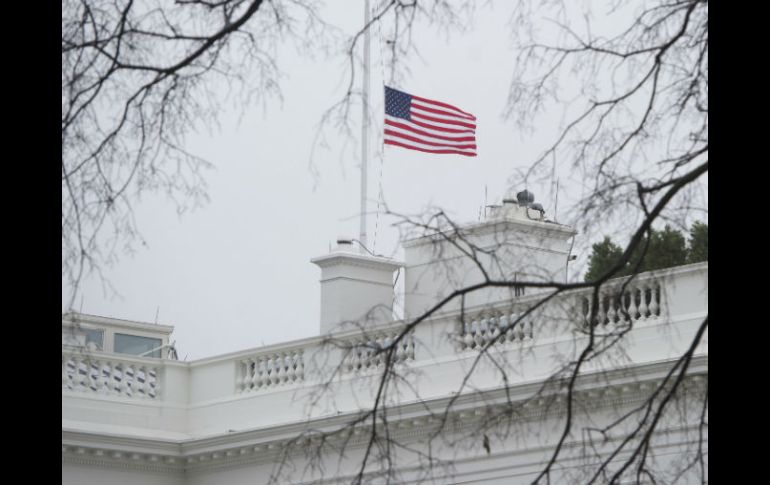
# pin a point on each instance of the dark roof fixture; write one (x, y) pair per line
(537, 206)
(525, 198)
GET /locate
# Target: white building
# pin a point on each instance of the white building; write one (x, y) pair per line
(458, 411)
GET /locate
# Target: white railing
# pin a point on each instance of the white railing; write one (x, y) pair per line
(646, 298)
(366, 352)
(482, 328)
(270, 370)
(620, 303)
(110, 375)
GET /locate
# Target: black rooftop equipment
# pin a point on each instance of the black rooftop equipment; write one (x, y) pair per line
(525, 198)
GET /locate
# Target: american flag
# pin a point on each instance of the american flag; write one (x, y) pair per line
(429, 126)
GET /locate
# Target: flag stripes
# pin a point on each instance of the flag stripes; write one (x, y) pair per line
(427, 125)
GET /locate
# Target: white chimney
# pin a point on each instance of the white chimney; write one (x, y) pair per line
(355, 287)
(515, 242)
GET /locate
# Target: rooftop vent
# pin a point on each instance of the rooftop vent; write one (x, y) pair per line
(525, 198)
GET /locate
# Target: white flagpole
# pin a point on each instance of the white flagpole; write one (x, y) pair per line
(365, 127)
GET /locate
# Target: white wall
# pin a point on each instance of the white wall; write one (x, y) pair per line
(74, 474)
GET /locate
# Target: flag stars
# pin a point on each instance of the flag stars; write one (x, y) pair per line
(397, 103)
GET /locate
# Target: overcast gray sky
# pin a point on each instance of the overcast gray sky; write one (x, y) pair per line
(235, 273)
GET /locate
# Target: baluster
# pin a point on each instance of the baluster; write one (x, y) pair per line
(399, 354)
(125, 382)
(495, 326)
(135, 380)
(502, 323)
(136, 387)
(240, 376)
(131, 380)
(643, 301)
(528, 328)
(519, 326)
(278, 366)
(368, 355)
(467, 335)
(359, 355)
(106, 370)
(401, 349)
(510, 334)
(291, 371)
(289, 368)
(155, 375)
(119, 378)
(244, 375)
(88, 383)
(75, 373)
(142, 387)
(296, 365)
(611, 312)
(146, 385)
(146, 382)
(124, 388)
(301, 366)
(475, 333)
(65, 379)
(363, 355)
(96, 376)
(373, 359)
(587, 305)
(277, 369)
(619, 306)
(404, 346)
(601, 311)
(297, 359)
(355, 357)
(654, 305)
(282, 368)
(269, 371)
(632, 304)
(140, 379)
(107, 378)
(263, 365)
(84, 368)
(266, 370)
(378, 355)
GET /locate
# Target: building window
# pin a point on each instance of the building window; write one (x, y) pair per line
(94, 339)
(134, 345)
